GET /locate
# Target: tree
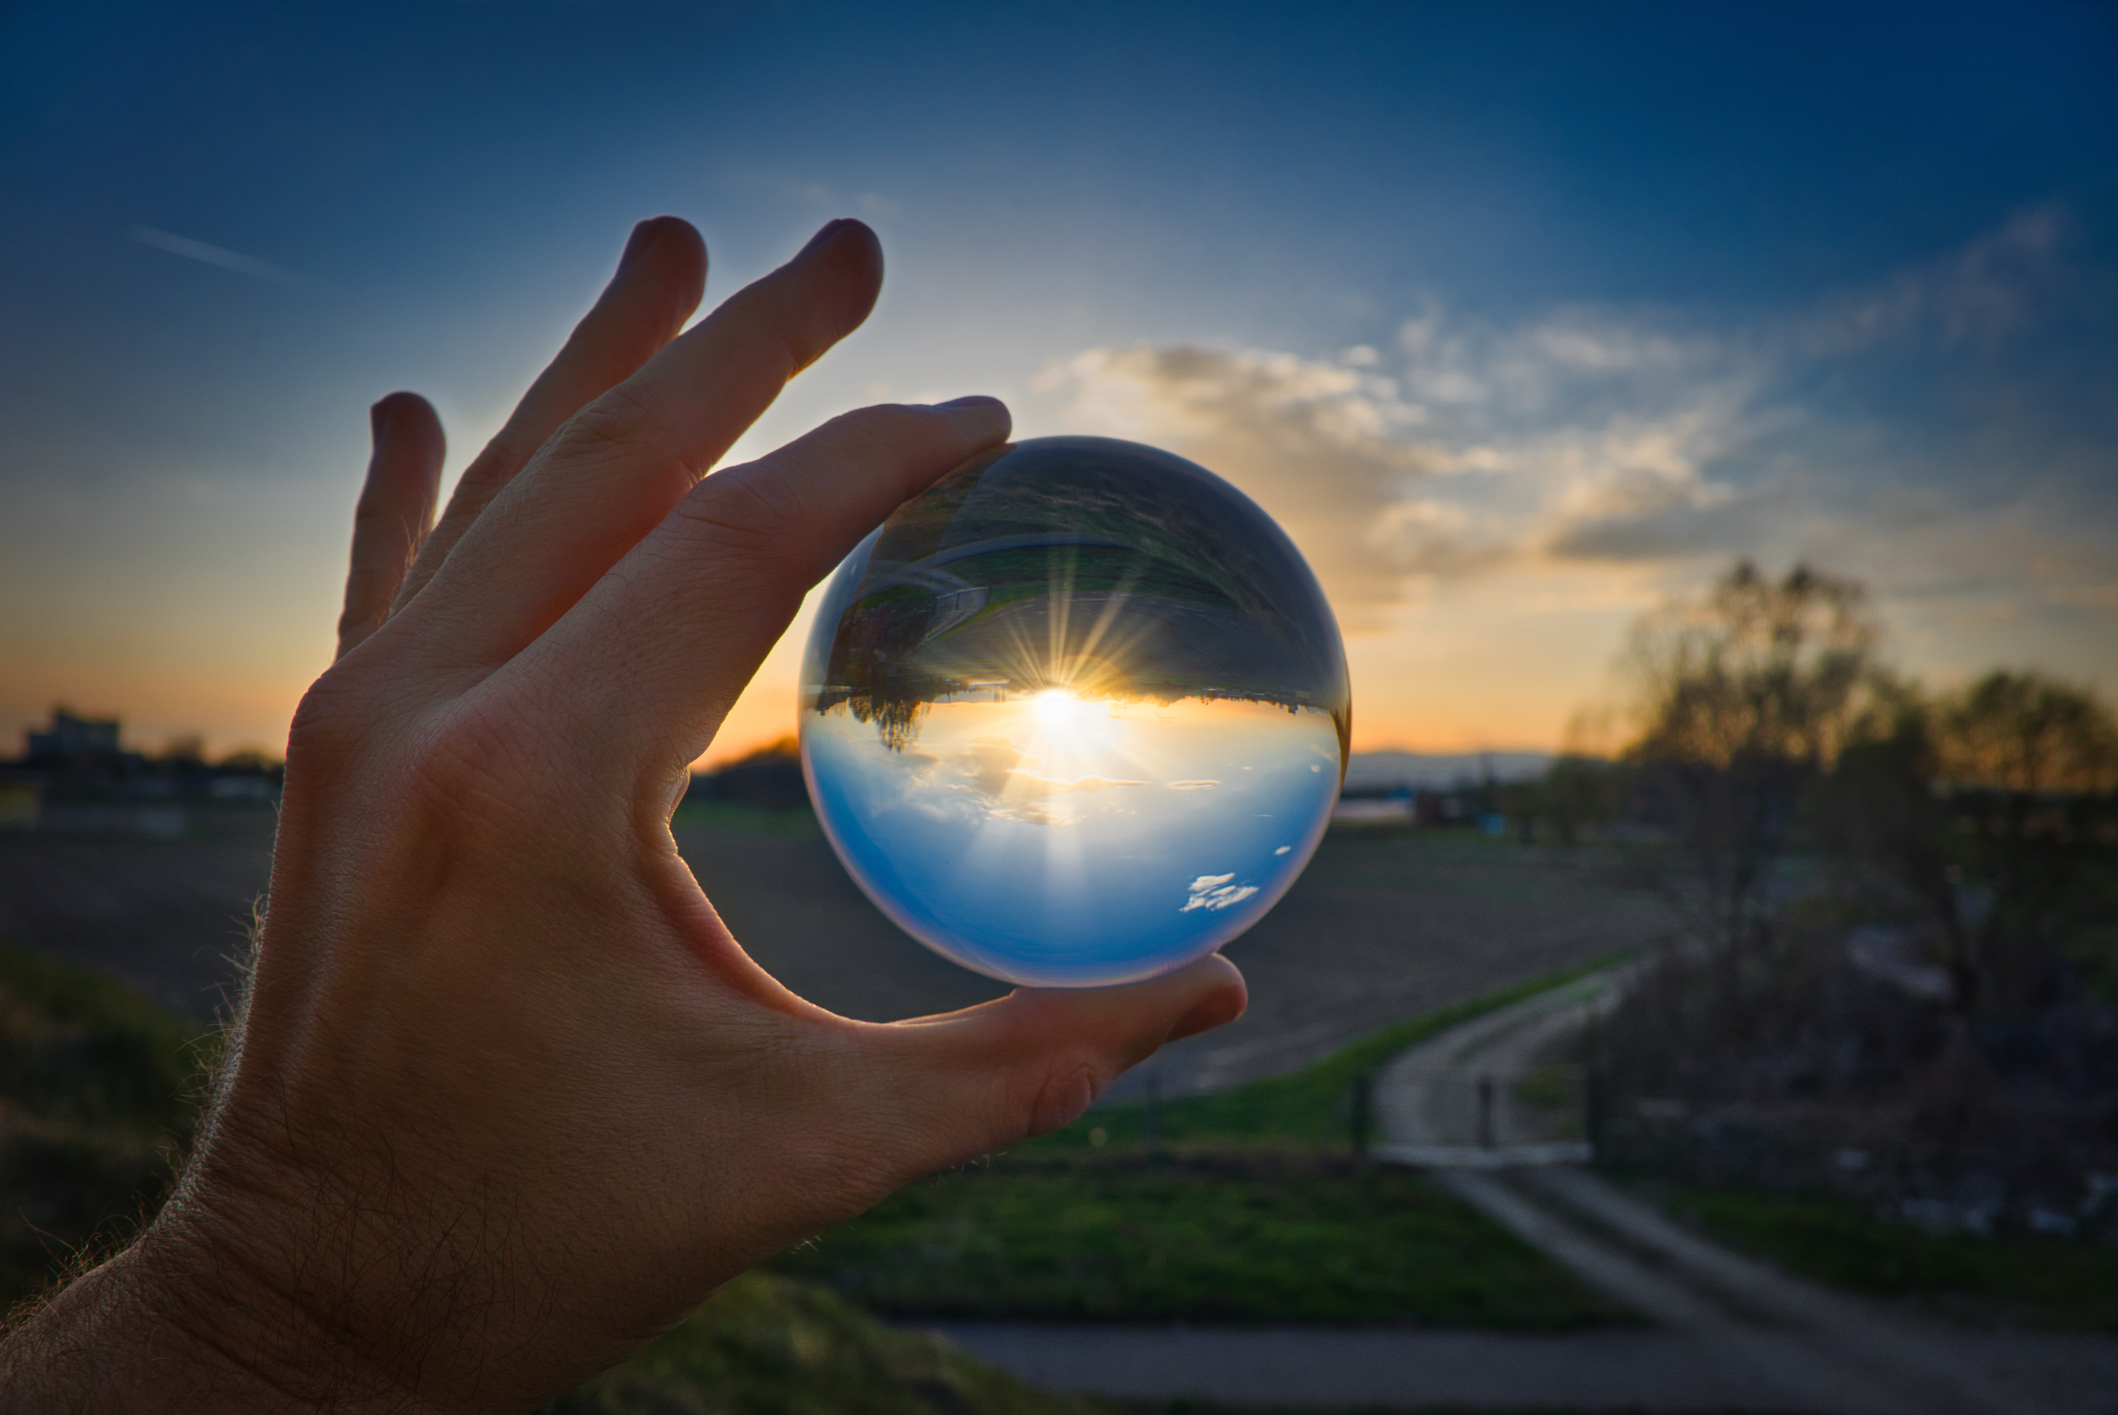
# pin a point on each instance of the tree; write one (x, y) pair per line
(1992, 808)
(2030, 768)
(1741, 701)
(1581, 793)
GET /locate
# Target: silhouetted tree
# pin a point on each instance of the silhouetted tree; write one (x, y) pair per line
(2030, 766)
(1742, 701)
(1579, 794)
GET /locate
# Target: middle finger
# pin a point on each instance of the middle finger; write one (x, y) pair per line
(611, 475)
(659, 280)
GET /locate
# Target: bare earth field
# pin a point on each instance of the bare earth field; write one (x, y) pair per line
(1378, 929)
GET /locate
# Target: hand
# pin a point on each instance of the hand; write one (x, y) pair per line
(508, 1099)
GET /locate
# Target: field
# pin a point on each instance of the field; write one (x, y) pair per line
(1206, 1238)
(1380, 928)
(1236, 1206)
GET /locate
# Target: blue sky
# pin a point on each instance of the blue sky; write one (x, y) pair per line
(1521, 317)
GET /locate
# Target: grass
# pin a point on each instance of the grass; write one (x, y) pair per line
(1224, 1238)
(79, 1046)
(97, 1089)
(2042, 1281)
(1305, 1109)
(1237, 1212)
(96, 1085)
(743, 819)
(765, 1345)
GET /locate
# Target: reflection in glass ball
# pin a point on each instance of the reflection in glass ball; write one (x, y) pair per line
(1076, 715)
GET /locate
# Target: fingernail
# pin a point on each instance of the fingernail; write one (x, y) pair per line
(974, 400)
(643, 235)
(378, 418)
(823, 237)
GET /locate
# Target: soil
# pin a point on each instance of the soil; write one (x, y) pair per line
(1380, 928)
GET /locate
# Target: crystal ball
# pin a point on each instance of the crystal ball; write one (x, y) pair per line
(1075, 715)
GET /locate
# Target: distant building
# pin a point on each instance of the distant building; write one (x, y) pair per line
(72, 738)
(76, 776)
(78, 755)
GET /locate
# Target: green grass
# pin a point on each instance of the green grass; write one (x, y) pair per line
(2045, 1281)
(79, 1046)
(1222, 1238)
(96, 1084)
(745, 819)
(766, 1345)
(97, 1089)
(1248, 1211)
(1304, 1109)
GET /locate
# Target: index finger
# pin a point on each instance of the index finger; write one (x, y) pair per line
(615, 470)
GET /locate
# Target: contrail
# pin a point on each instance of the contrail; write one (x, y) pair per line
(214, 255)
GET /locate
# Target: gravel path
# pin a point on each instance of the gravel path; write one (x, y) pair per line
(1663, 1370)
(1797, 1345)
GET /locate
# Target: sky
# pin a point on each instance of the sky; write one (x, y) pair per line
(1522, 319)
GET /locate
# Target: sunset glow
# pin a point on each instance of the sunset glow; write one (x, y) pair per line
(1513, 361)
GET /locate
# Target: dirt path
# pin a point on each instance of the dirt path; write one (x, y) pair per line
(1801, 1346)
(1659, 1370)
(1730, 1333)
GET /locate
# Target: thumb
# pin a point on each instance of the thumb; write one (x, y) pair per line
(971, 1082)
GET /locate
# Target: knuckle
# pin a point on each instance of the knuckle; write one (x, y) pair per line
(472, 781)
(330, 718)
(1069, 1085)
(619, 425)
(753, 517)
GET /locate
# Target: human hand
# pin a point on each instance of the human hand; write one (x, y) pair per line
(508, 1098)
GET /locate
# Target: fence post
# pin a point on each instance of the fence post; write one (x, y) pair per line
(1150, 1114)
(1362, 1116)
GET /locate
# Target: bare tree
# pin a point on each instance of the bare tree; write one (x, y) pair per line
(1741, 701)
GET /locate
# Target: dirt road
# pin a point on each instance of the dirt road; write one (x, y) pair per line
(1795, 1344)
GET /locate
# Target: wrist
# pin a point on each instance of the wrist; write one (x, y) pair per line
(175, 1324)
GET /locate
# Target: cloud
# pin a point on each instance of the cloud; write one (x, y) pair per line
(1215, 892)
(1976, 296)
(1590, 435)
(1323, 444)
(214, 255)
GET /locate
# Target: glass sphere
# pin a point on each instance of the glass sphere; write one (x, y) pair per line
(1075, 715)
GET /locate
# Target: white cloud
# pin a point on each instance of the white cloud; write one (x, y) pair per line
(1584, 435)
(1215, 892)
(1322, 444)
(226, 259)
(1975, 296)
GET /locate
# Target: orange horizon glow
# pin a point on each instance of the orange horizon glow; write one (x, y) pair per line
(1508, 663)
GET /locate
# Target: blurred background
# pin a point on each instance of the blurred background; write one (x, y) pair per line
(1700, 418)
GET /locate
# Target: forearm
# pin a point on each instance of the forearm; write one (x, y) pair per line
(169, 1326)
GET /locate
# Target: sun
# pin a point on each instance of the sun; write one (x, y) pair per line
(1055, 705)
